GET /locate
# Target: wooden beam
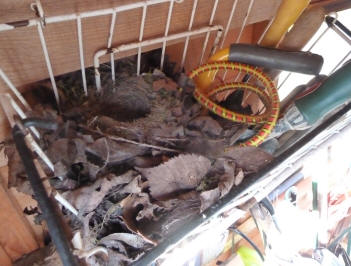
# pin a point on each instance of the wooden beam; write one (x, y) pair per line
(5, 260)
(16, 236)
(22, 58)
(332, 5)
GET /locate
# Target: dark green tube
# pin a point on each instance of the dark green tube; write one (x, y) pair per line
(334, 92)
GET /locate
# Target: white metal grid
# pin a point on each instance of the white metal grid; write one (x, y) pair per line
(42, 20)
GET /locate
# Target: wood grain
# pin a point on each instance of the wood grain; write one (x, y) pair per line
(16, 236)
(5, 260)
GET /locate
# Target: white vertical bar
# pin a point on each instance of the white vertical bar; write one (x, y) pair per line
(169, 16)
(189, 28)
(245, 20)
(229, 22)
(214, 76)
(21, 114)
(318, 39)
(113, 74)
(65, 203)
(340, 62)
(35, 147)
(141, 34)
(225, 74)
(208, 34)
(109, 43)
(14, 90)
(81, 54)
(258, 42)
(265, 30)
(48, 63)
(238, 75)
(112, 28)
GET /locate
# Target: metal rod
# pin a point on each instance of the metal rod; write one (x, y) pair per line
(81, 54)
(245, 20)
(141, 34)
(37, 149)
(333, 22)
(229, 22)
(340, 62)
(20, 113)
(188, 37)
(265, 30)
(109, 43)
(30, 140)
(88, 14)
(309, 49)
(208, 34)
(46, 205)
(341, 34)
(14, 90)
(136, 45)
(40, 123)
(65, 203)
(48, 63)
(169, 16)
(247, 78)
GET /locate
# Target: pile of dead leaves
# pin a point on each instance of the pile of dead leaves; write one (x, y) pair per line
(138, 162)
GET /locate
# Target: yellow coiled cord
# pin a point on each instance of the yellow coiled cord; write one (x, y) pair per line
(269, 99)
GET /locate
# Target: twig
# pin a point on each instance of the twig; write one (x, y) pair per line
(128, 141)
(237, 135)
(107, 155)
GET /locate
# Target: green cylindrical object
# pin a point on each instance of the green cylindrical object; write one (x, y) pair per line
(334, 92)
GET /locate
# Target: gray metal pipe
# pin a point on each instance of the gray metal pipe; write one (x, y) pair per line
(300, 62)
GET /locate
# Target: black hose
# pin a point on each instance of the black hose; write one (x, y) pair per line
(237, 231)
(45, 204)
(40, 123)
(332, 21)
(299, 62)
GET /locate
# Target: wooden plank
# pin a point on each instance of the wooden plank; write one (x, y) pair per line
(22, 58)
(23, 201)
(332, 5)
(16, 237)
(5, 260)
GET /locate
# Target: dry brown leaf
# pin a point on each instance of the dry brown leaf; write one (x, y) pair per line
(62, 150)
(179, 174)
(207, 125)
(134, 187)
(239, 177)
(164, 83)
(209, 197)
(132, 240)
(226, 181)
(131, 211)
(86, 199)
(225, 184)
(248, 158)
(109, 151)
(180, 211)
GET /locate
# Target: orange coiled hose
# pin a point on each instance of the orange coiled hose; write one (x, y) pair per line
(270, 98)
